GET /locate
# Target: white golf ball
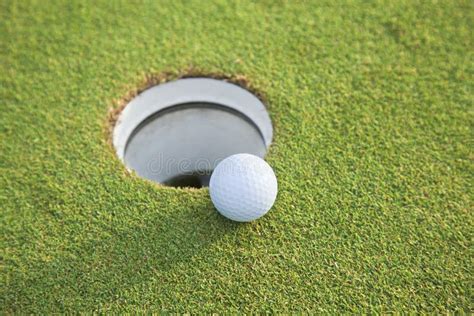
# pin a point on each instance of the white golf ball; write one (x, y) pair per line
(243, 187)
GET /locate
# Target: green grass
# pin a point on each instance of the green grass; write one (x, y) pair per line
(372, 108)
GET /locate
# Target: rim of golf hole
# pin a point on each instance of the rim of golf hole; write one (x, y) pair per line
(177, 132)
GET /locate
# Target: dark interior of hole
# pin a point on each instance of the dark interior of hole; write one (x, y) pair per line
(178, 107)
(195, 180)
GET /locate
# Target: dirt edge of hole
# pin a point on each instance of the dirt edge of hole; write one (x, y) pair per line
(152, 79)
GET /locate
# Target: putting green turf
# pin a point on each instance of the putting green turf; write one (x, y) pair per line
(372, 110)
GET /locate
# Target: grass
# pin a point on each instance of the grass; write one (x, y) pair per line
(372, 109)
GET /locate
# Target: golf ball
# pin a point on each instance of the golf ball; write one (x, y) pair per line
(243, 187)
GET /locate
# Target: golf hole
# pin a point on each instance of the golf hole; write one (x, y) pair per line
(177, 132)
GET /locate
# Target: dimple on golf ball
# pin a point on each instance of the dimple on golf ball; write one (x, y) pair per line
(243, 187)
